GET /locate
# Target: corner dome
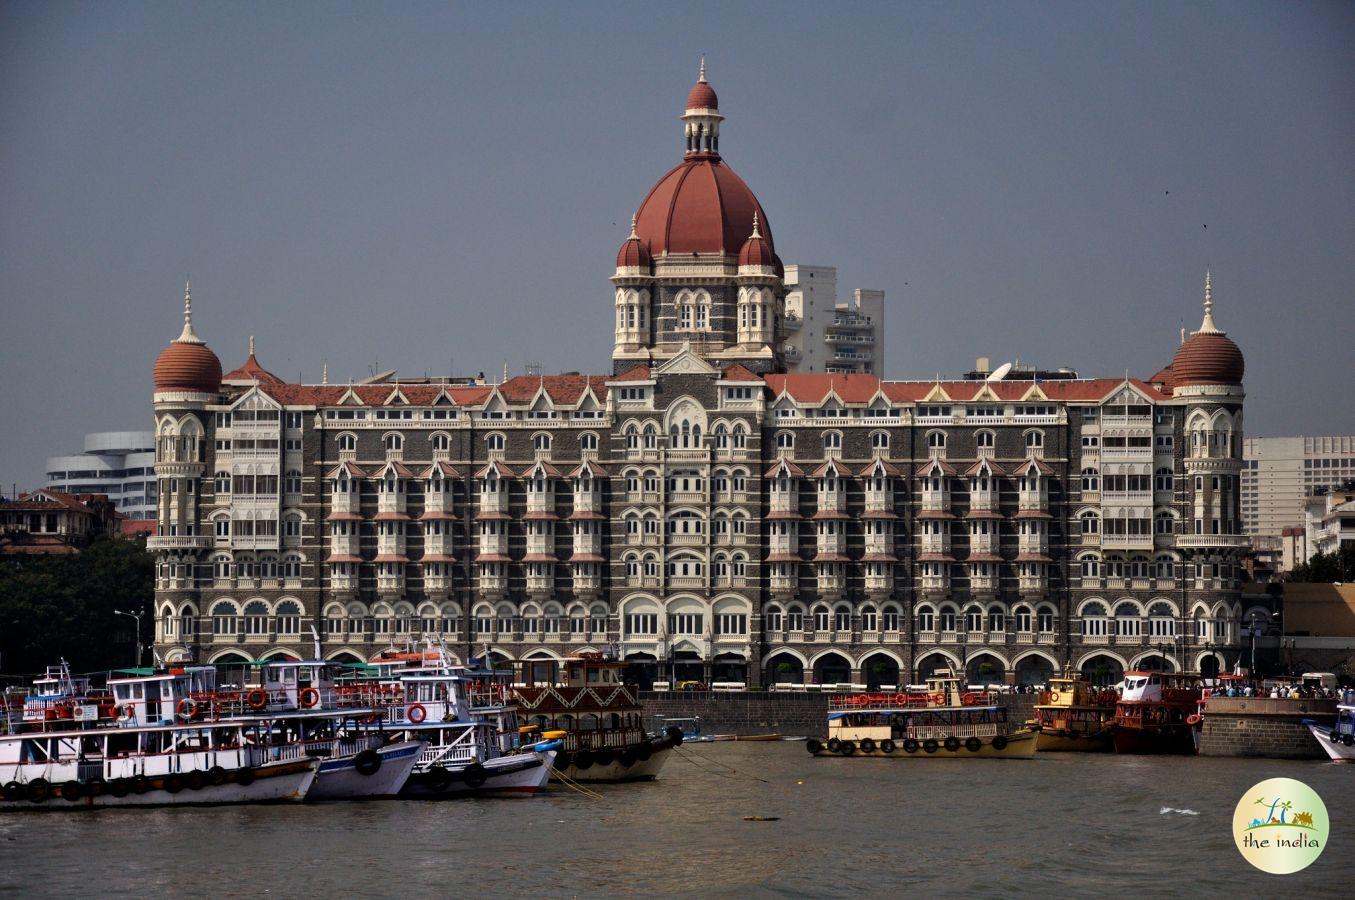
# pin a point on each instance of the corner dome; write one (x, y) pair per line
(1208, 356)
(756, 253)
(702, 96)
(187, 364)
(633, 253)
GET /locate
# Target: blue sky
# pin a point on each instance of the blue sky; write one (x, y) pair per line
(425, 186)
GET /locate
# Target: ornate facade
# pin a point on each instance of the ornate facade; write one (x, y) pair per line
(699, 509)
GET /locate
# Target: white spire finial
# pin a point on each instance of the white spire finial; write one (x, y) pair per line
(324, 374)
(1208, 326)
(701, 75)
(755, 231)
(251, 345)
(1183, 334)
(505, 371)
(188, 336)
(633, 235)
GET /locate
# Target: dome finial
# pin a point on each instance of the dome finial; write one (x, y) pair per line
(188, 336)
(755, 233)
(324, 374)
(251, 345)
(1208, 326)
(701, 73)
(633, 236)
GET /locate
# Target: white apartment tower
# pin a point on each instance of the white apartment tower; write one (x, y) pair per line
(823, 335)
(1279, 473)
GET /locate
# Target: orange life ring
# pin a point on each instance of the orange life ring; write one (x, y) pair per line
(1193, 719)
(1053, 696)
(130, 710)
(938, 698)
(308, 697)
(416, 713)
(187, 707)
(900, 699)
(969, 698)
(256, 699)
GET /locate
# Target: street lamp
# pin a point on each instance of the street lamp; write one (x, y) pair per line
(137, 617)
(1255, 617)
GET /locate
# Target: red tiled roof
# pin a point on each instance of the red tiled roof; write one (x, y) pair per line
(391, 558)
(934, 514)
(343, 517)
(443, 468)
(783, 557)
(252, 371)
(563, 389)
(437, 558)
(1032, 514)
(495, 466)
(983, 514)
(430, 514)
(541, 557)
(637, 373)
(587, 558)
(977, 468)
(699, 206)
(540, 515)
(935, 557)
(489, 515)
(493, 558)
(814, 387)
(738, 372)
(354, 470)
(776, 514)
(888, 467)
(343, 558)
(789, 466)
(391, 516)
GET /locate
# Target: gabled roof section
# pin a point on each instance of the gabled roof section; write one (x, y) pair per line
(396, 398)
(541, 467)
(937, 394)
(687, 362)
(395, 466)
(562, 390)
(347, 467)
(351, 397)
(591, 466)
(443, 468)
(1035, 463)
(1035, 393)
(935, 466)
(497, 467)
(985, 466)
(985, 392)
(880, 466)
(829, 469)
(784, 467)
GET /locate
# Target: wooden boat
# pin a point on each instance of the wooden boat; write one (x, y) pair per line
(942, 722)
(598, 718)
(1074, 716)
(1158, 713)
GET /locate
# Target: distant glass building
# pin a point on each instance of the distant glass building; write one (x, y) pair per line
(120, 464)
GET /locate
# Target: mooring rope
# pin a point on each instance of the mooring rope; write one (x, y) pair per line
(692, 758)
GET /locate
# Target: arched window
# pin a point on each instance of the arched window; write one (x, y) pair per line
(289, 618)
(223, 618)
(1161, 620)
(441, 441)
(541, 442)
(348, 443)
(494, 442)
(879, 440)
(1090, 565)
(1126, 620)
(1091, 522)
(785, 440)
(1091, 480)
(394, 442)
(291, 482)
(256, 617)
(832, 440)
(936, 440)
(984, 440)
(1034, 440)
(588, 441)
(720, 437)
(1094, 622)
(739, 436)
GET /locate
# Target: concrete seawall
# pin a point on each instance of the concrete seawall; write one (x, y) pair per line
(757, 712)
(1263, 727)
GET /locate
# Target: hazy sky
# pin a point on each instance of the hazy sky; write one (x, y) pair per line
(425, 186)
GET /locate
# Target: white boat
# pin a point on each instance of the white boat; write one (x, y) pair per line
(133, 752)
(373, 771)
(1338, 738)
(471, 732)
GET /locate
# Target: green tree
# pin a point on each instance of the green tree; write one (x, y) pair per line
(54, 607)
(1327, 568)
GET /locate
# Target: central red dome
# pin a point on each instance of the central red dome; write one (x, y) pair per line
(700, 206)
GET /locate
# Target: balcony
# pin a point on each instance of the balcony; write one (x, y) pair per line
(687, 497)
(540, 584)
(879, 584)
(686, 582)
(831, 584)
(391, 502)
(587, 502)
(782, 584)
(438, 583)
(390, 584)
(1034, 584)
(587, 583)
(346, 502)
(688, 456)
(1235, 541)
(687, 540)
(179, 542)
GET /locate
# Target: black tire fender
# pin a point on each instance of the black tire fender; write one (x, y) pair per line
(973, 744)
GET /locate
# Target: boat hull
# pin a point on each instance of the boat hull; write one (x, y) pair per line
(1019, 745)
(616, 770)
(1174, 740)
(339, 779)
(519, 775)
(279, 782)
(1060, 740)
(1339, 751)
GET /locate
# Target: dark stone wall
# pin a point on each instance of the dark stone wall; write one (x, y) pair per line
(1262, 727)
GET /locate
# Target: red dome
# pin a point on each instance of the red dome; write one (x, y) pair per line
(755, 252)
(1207, 357)
(702, 96)
(252, 371)
(187, 366)
(633, 255)
(700, 206)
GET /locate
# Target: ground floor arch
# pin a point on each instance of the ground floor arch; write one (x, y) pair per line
(1102, 668)
(881, 669)
(730, 668)
(929, 662)
(344, 656)
(1035, 667)
(785, 667)
(832, 667)
(1209, 664)
(642, 669)
(985, 667)
(1154, 661)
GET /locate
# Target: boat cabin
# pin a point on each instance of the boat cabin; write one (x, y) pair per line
(153, 697)
(1159, 687)
(292, 684)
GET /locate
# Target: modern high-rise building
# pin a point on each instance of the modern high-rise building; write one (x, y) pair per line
(120, 464)
(1280, 473)
(823, 335)
(698, 508)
